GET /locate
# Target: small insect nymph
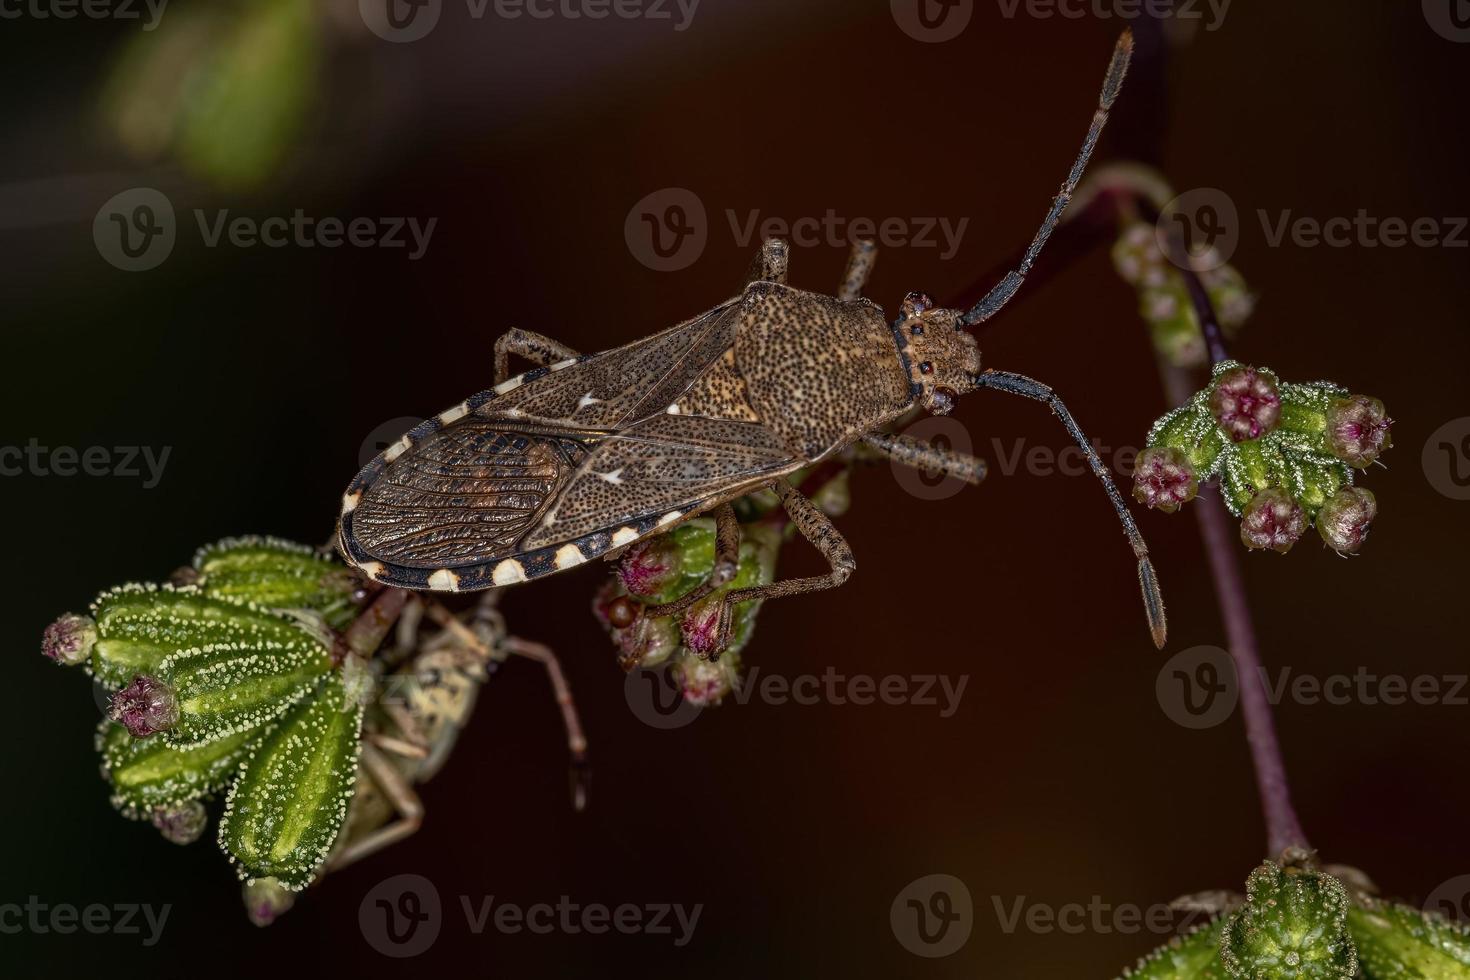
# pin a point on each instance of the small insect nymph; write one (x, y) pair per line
(586, 454)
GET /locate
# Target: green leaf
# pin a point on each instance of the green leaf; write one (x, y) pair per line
(277, 574)
(1191, 957)
(284, 814)
(229, 686)
(1396, 942)
(147, 774)
(139, 625)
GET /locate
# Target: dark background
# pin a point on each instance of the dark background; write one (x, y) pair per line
(1059, 779)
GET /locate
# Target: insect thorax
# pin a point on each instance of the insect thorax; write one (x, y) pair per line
(820, 371)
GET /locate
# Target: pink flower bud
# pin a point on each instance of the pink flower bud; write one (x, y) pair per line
(1357, 429)
(1163, 479)
(1272, 520)
(701, 626)
(182, 825)
(1344, 520)
(651, 565)
(266, 900)
(145, 707)
(704, 682)
(1246, 403)
(70, 639)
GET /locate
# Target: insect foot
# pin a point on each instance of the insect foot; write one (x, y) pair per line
(665, 602)
(1285, 455)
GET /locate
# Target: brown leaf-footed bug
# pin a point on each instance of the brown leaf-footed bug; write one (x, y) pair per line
(587, 454)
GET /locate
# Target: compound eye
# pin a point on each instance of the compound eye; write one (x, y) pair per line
(942, 400)
(926, 367)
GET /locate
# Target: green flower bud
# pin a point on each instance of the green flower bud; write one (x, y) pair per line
(278, 574)
(1358, 429)
(182, 824)
(1195, 956)
(69, 640)
(266, 900)
(148, 774)
(1293, 927)
(1164, 479)
(284, 813)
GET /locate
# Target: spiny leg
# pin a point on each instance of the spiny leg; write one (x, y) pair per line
(727, 563)
(1019, 384)
(822, 534)
(926, 457)
(770, 262)
(404, 800)
(576, 740)
(860, 261)
(534, 347)
(1006, 288)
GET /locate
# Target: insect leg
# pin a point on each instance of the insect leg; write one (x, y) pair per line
(860, 263)
(727, 563)
(534, 347)
(927, 457)
(576, 740)
(823, 535)
(400, 794)
(770, 263)
(1018, 384)
(1000, 294)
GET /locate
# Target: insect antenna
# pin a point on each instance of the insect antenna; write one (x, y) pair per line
(1148, 581)
(1001, 293)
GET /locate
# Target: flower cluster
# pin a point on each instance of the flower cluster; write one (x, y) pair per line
(228, 683)
(1163, 297)
(660, 570)
(1284, 453)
